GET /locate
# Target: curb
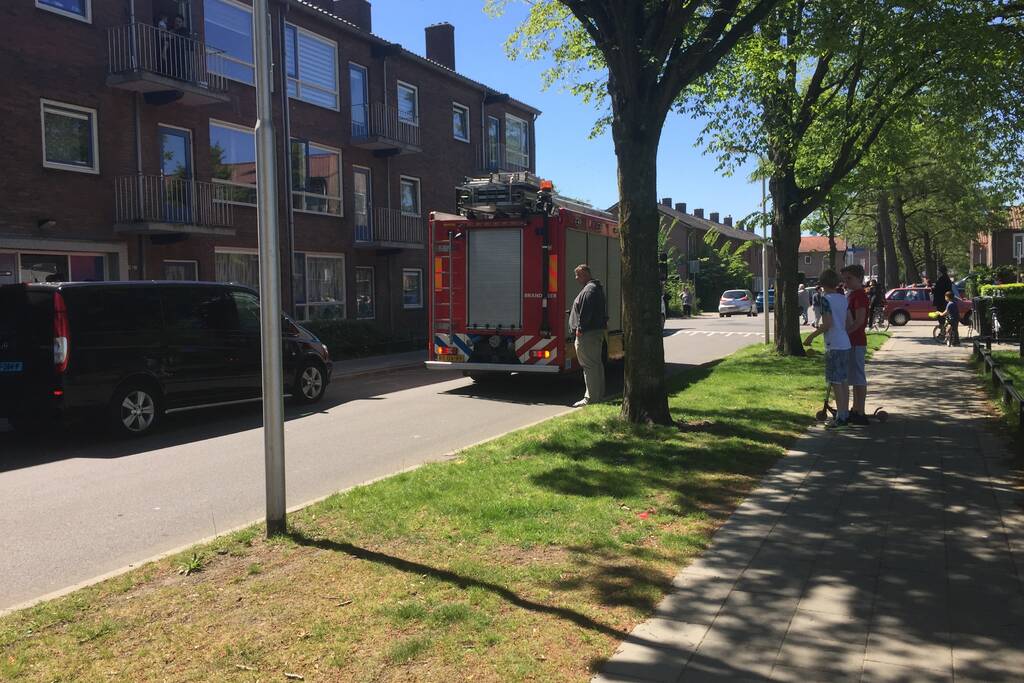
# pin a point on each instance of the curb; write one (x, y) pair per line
(369, 372)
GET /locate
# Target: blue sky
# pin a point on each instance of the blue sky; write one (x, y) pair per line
(579, 166)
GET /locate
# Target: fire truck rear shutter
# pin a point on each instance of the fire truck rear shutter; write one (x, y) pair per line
(495, 288)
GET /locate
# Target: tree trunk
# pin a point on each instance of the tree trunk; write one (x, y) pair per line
(889, 248)
(831, 245)
(903, 240)
(645, 397)
(880, 257)
(931, 268)
(786, 238)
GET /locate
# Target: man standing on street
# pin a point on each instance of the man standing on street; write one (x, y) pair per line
(803, 299)
(588, 321)
(942, 285)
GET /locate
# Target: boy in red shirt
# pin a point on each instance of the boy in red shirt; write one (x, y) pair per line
(858, 305)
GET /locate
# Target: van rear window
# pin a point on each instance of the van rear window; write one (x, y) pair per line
(94, 310)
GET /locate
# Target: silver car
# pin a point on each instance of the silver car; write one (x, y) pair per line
(737, 302)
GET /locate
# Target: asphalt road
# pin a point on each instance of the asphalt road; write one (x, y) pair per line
(75, 504)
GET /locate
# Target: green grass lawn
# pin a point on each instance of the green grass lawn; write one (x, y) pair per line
(525, 558)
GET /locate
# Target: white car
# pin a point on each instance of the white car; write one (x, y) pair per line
(737, 302)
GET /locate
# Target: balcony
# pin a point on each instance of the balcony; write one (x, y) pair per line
(390, 229)
(499, 158)
(165, 205)
(379, 128)
(164, 66)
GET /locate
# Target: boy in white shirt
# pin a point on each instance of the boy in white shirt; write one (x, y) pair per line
(837, 346)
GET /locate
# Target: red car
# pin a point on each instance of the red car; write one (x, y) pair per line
(915, 303)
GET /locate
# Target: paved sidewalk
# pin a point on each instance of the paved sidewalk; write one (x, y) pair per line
(374, 365)
(881, 554)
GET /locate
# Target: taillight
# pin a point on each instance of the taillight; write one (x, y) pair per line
(540, 354)
(61, 335)
(445, 350)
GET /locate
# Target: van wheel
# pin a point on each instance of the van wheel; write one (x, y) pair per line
(310, 383)
(136, 409)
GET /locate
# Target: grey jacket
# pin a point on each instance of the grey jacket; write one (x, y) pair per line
(588, 310)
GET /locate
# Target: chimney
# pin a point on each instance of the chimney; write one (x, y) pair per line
(728, 221)
(355, 12)
(666, 201)
(714, 217)
(441, 44)
(699, 213)
(681, 207)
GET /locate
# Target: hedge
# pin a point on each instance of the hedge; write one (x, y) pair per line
(358, 338)
(1010, 312)
(1014, 290)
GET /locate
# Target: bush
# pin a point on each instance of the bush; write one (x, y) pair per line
(358, 338)
(1015, 290)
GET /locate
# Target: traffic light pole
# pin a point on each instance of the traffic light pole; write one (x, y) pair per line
(270, 278)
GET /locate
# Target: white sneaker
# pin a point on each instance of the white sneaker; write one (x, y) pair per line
(582, 402)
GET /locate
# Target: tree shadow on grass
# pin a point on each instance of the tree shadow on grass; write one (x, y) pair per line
(455, 579)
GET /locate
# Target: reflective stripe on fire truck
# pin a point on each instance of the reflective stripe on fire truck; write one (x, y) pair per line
(463, 342)
(524, 349)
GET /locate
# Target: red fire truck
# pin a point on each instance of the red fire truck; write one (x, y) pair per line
(504, 277)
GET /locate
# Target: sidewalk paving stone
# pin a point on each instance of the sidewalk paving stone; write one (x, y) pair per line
(889, 553)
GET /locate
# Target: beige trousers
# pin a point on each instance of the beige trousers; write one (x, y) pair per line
(588, 352)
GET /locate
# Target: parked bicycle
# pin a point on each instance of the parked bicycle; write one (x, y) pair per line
(877, 322)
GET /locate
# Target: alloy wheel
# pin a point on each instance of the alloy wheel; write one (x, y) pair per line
(311, 382)
(137, 411)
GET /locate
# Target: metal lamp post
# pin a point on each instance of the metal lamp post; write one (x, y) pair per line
(764, 255)
(270, 277)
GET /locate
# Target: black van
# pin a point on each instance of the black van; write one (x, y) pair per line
(133, 351)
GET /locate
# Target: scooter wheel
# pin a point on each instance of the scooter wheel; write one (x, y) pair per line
(820, 415)
(881, 415)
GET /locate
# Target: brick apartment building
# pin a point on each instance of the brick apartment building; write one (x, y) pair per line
(688, 238)
(130, 151)
(814, 257)
(1003, 246)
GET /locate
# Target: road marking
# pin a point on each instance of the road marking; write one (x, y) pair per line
(716, 332)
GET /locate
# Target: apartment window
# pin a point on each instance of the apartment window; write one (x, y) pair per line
(460, 121)
(181, 270)
(70, 140)
(408, 103)
(412, 288)
(493, 142)
(233, 152)
(517, 142)
(228, 27)
(364, 293)
(316, 178)
(76, 9)
(312, 66)
(319, 286)
(240, 267)
(410, 189)
(807, 260)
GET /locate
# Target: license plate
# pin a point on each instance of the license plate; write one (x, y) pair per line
(450, 359)
(12, 366)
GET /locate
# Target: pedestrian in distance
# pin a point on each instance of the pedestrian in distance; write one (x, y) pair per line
(803, 298)
(687, 303)
(588, 321)
(816, 305)
(837, 346)
(859, 305)
(942, 286)
(952, 314)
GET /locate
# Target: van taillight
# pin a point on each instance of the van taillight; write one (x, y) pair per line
(61, 336)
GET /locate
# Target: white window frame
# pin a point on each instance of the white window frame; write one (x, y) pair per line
(419, 196)
(17, 253)
(94, 119)
(405, 305)
(807, 260)
(305, 276)
(416, 91)
(526, 138)
(229, 183)
(233, 250)
(297, 80)
(341, 182)
(369, 196)
(236, 60)
(1018, 245)
(455, 106)
(87, 19)
(194, 262)
(373, 291)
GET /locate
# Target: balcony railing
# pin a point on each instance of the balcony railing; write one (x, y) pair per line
(390, 228)
(147, 59)
(375, 126)
(496, 157)
(155, 203)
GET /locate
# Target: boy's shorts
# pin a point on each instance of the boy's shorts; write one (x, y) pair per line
(856, 376)
(837, 366)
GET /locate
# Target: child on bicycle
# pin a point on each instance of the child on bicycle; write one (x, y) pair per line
(952, 320)
(837, 345)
